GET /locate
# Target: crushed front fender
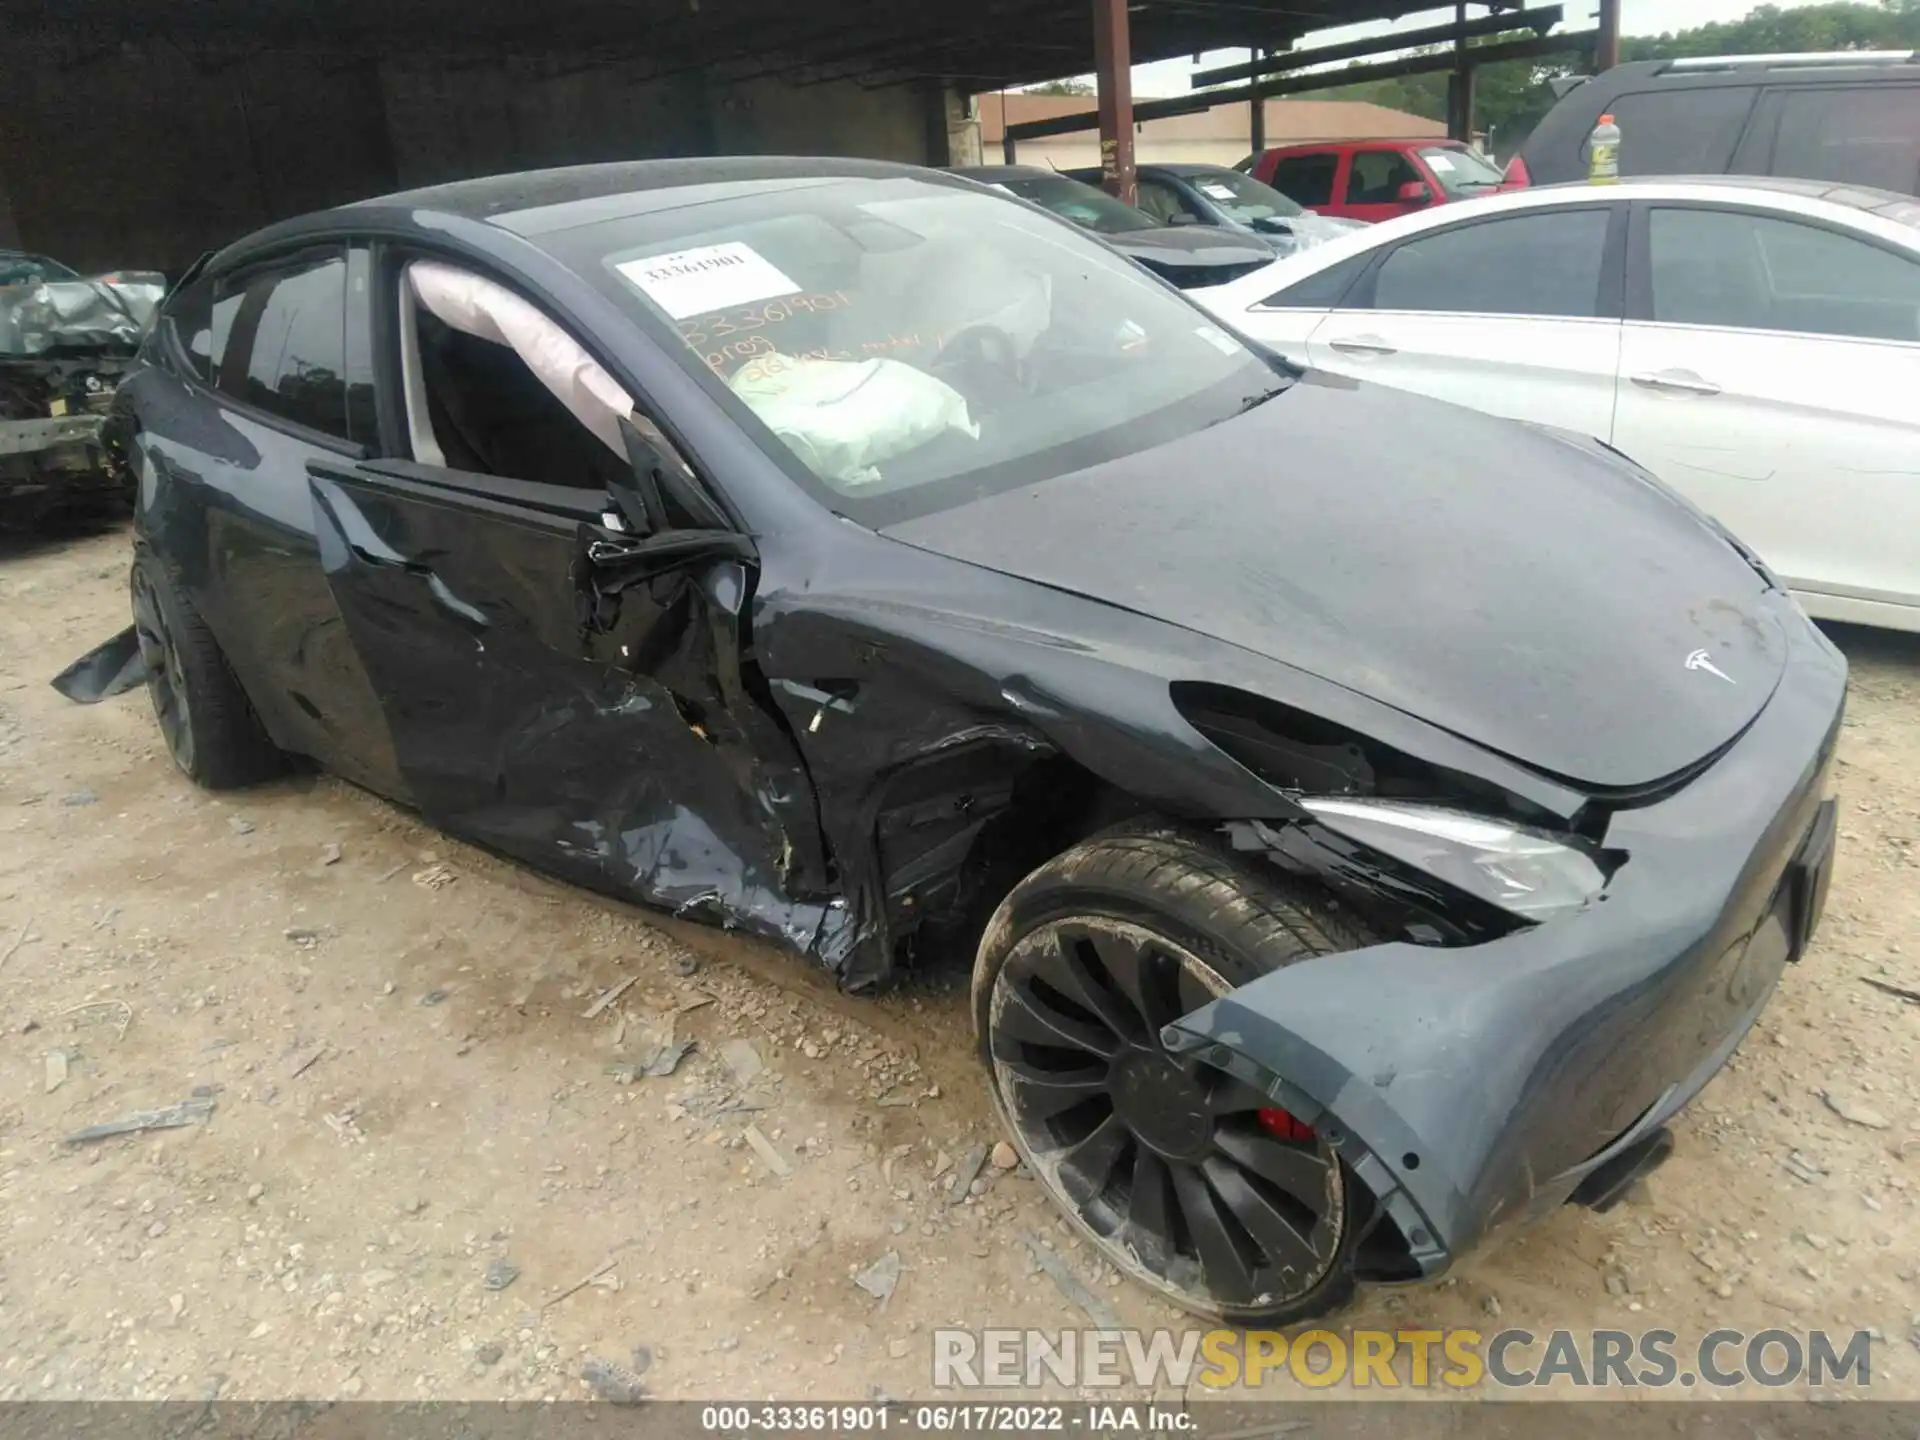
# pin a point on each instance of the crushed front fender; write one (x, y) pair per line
(1471, 1087)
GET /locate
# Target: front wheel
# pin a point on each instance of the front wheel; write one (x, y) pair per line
(1189, 1181)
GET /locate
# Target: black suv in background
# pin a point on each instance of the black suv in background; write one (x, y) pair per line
(1851, 116)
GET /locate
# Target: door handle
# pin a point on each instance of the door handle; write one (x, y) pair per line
(1684, 382)
(1362, 345)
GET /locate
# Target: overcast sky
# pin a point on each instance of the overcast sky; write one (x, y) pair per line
(1637, 17)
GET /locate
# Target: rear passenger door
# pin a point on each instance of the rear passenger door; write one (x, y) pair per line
(1768, 370)
(270, 376)
(1515, 314)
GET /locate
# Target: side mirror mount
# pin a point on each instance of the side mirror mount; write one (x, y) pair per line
(1181, 217)
(1416, 192)
(660, 492)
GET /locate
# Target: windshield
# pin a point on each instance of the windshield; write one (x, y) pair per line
(1462, 172)
(1085, 206)
(19, 269)
(1241, 197)
(902, 345)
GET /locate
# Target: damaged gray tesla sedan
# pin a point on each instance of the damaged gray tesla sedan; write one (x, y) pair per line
(1369, 822)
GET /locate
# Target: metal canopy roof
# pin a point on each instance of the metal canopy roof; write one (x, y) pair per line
(977, 44)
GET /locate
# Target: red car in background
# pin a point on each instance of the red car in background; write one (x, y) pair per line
(1376, 179)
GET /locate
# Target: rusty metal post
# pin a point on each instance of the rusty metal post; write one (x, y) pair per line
(1257, 114)
(1606, 46)
(1113, 72)
(1460, 83)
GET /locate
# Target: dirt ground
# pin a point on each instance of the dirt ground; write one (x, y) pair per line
(419, 1144)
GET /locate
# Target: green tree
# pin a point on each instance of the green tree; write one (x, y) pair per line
(1061, 87)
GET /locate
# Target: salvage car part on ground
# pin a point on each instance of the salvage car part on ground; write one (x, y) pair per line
(1369, 822)
(1755, 343)
(64, 344)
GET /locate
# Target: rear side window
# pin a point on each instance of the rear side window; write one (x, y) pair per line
(1306, 179)
(286, 351)
(1324, 289)
(1859, 135)
(1541, 264)
(202, 320)
(1679, 131)
(1375, 177)
(1732, 269)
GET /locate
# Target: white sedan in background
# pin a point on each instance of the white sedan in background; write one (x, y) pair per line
(1754, 342)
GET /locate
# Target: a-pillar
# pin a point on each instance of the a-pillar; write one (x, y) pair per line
(1113, 73)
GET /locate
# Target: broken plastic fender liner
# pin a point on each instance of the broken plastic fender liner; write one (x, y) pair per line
(104, 671)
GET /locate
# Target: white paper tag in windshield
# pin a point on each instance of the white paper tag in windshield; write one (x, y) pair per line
(1440, 163)
(1216, 190)
(711, 277)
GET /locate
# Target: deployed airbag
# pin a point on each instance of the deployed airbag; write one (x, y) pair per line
(844, 418)
(481, 308)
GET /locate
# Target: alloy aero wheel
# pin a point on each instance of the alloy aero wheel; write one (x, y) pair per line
(209, 725)
(1187, 1178)
(166, 677)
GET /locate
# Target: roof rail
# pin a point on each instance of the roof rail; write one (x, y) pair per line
(1809, 59)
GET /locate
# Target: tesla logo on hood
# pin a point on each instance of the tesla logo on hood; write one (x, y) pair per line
(1699, 660)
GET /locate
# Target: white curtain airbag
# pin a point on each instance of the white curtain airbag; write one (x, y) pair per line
(476, 306)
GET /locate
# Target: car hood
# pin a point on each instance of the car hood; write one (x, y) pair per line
(1191, 247)
(1524, 589)
(1309, 229)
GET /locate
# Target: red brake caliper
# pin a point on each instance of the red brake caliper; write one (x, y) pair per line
(1283, 1126)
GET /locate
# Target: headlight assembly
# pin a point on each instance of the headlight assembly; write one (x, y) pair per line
(1524, 872)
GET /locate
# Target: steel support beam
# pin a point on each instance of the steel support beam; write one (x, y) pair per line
(1460, 82)
(1539, 19)
(1113, 73)
(1580, 40)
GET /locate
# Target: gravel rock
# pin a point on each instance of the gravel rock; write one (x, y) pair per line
(501, 1272)
(612, 1382)
(489, 1352)
(1005, 1157)
(1854, 1113)
(743, 1059)
(880, 1278)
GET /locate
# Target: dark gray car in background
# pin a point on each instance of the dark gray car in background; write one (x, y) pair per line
(1189, 256)
(1180, 193)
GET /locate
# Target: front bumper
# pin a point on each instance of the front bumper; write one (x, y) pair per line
(57, 456)
(1475, 1087)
